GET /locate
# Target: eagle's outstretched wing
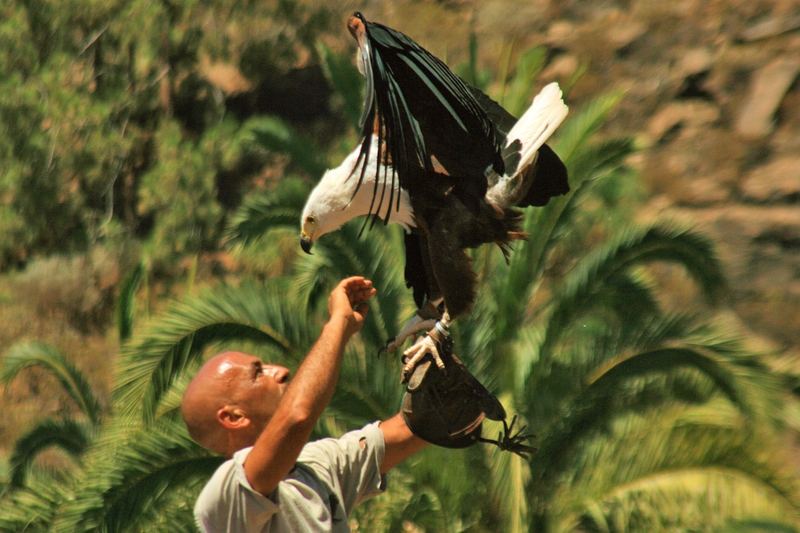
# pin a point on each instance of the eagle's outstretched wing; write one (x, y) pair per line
(427, 121)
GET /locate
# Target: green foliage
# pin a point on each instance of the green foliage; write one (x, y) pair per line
(126, 301)
(275, 135)
(29, 354)
(345, 80)
(135, 474)
(588, 367)
(115, 130)
(518, 91)
(67, 435)
(32, 507)
(265, 211)
(179, 194)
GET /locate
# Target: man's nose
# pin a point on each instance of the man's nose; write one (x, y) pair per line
(278, 373)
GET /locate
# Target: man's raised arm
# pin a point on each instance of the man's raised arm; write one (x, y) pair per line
(277, 448)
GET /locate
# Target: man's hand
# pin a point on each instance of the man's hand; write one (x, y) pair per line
(348, 301)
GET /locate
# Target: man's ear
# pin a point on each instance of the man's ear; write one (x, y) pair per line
(232, 417)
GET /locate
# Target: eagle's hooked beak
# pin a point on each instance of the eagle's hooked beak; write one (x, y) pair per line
(306, 243)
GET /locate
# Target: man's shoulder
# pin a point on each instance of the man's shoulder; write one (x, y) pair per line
(227, 500)
(217, 489)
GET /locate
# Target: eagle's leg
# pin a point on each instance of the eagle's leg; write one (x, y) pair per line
(416, 324)
(427, 345)
(452, 269)
(425, 318)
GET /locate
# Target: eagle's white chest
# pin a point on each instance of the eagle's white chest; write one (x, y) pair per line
(338, 197)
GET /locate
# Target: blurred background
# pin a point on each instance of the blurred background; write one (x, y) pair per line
(155, 155)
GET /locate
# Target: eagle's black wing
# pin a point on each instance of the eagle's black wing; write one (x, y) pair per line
(426, 119)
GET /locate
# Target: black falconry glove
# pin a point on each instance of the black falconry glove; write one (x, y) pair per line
(447, 406)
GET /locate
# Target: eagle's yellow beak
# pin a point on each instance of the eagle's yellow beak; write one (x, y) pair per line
(305, 242)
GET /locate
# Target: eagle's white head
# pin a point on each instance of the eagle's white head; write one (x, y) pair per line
(331, 204)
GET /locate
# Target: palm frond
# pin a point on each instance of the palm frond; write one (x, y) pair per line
(67, 435)
(662, 242)
(608, 377)
(548, 384)
(575, 399)
(37, 354)
(265, 211)
(758, 525)
(344, 79)
(31, 508)
(134, 479)
(518, 89)
(690, 498)
(408, 503)
(576, 132)
(277, 136)
(544, 226)
(126, 301)
(657, 440)
(588, 167)
(432, 495)
(151, 362)
(509, 475)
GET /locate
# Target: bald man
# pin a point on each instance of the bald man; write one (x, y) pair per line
(251, 412)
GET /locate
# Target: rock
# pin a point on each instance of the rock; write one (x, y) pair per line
(749, 223)
(771, 27)
(225, 76)
(778, 180)
(560, 33)
(561, 68)
(767, 89)
(676, 114)
(624, 32)
(704, 191)
(694, 62)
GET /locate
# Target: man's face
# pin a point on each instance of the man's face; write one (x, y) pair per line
(255, 387)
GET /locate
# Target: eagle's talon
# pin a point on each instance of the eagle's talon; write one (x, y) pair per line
(414, 326)
(515, 442)
(414, 355)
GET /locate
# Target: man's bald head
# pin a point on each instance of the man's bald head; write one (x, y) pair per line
(230, 400)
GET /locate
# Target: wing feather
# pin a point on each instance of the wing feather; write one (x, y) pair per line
(424, 111)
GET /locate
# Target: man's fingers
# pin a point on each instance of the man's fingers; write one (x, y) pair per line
(351, 279)
(355, 281)
(362, 294)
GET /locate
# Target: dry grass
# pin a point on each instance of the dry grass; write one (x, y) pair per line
(67, 303)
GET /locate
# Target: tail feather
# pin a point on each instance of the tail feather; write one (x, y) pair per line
(546, 179)
(537, 124)
(534, 173)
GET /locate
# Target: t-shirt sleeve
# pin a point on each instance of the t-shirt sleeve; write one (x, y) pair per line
(354, 461)
(229, 503)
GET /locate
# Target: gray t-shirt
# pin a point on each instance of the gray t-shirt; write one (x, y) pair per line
(330, 478)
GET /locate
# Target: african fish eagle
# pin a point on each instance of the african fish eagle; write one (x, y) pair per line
(447, 163)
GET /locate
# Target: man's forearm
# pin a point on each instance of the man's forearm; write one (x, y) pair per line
(399, 442)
